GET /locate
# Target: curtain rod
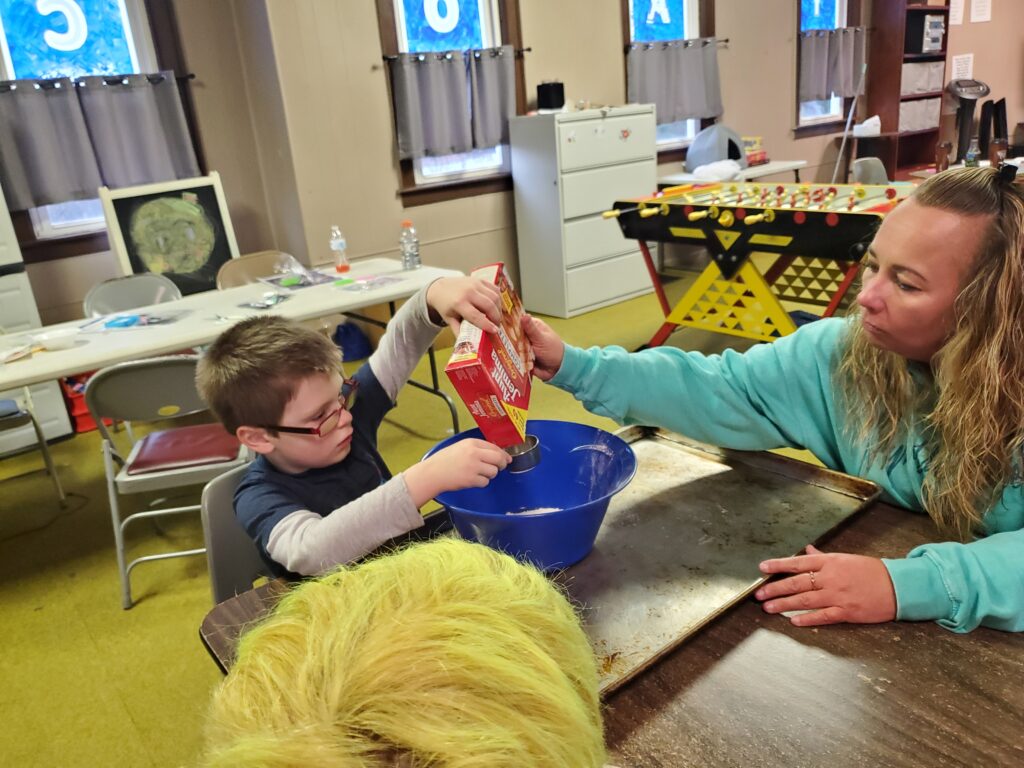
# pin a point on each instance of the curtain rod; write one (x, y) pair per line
(704, 41)
(518, 52)
(48, 84)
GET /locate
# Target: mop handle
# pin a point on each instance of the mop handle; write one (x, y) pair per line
(849, 120)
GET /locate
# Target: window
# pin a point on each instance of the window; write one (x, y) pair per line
(451, 25)
(821, 14)
(71, 38)
(653, 20)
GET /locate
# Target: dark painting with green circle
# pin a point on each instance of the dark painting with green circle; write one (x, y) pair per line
(179, 234)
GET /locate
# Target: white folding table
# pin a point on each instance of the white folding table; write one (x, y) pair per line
(209, 313)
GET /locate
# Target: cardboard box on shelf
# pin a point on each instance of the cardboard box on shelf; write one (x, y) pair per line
(490, 371)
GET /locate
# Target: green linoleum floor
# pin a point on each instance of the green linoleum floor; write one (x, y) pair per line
(85, 683)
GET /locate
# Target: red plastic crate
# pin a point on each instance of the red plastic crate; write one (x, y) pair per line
(73, 388)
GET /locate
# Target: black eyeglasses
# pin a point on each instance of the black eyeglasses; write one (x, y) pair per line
(346, 399)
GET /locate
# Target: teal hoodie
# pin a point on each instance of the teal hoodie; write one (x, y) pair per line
(781, 394)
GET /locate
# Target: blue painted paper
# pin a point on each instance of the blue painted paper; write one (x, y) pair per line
(818, 14)
(658, 20)
(65, 38)
(442, 25)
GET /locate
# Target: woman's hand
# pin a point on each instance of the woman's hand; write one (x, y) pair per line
(548, 349)
(455, 299)
(833, 587)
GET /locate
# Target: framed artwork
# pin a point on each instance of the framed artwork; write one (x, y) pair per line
(180, 229)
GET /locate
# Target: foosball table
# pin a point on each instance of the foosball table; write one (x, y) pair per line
(817, 233)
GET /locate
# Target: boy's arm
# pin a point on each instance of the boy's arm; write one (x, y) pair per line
(408, 336)
(308, 544)
(412, 330)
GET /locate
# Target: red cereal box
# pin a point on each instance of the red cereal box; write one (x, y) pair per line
(489, 370)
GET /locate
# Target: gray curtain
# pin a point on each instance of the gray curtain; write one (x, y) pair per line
(61, 139)
(830, 62)
(492, 79)
(431, 96)
(138, 129)
(45, 154)
(680, 77)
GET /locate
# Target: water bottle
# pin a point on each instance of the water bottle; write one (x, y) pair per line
(973, 151)
(409, 245)
(338, 247)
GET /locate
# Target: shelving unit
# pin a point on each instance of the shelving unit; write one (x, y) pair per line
(903, 97)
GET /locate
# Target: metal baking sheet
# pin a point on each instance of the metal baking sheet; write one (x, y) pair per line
(682, 542)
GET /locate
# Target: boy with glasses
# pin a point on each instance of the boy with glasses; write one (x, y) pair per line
(319, 493)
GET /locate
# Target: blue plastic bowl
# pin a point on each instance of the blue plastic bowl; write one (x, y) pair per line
(580, 469)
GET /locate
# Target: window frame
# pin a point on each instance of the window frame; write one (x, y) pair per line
(822, 127)
(413, 193)
(143, 55)
(167, 55)
(675, 153)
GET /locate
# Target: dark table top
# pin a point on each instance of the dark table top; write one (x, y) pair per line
(752, 690)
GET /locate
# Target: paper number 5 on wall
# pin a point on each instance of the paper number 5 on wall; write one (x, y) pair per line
(77, 31)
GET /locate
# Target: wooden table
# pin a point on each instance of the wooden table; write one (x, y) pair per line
(752, 690)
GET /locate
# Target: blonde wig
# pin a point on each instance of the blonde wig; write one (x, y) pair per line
(445, 654)
(973, 409)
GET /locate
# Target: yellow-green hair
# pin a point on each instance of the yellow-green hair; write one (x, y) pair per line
(445, 654)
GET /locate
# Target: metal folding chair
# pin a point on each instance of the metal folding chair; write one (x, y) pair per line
(147, 391)
(231, 556)
(249, 268)
(13, 416)
(123, 293)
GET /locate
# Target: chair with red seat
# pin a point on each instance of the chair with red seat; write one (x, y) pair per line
(153, 390)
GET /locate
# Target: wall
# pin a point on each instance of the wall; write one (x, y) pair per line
(292, 102)
(998, 48)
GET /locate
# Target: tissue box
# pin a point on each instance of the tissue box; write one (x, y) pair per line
(490, 370)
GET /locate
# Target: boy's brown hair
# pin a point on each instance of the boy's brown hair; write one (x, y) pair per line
(248, 375)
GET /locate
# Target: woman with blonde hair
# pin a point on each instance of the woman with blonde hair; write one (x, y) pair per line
(921, 390)
(446, 654)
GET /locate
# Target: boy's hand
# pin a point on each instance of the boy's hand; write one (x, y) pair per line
(548, 349)
(468, 463)
(455, 299)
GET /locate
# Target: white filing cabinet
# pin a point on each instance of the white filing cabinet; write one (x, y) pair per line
(18, 313)
(567, 168)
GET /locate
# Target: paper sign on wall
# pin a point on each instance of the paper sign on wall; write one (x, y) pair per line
(981, 10)
(956, 12)
(963, 67)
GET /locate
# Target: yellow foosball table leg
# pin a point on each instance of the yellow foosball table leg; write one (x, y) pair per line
(742, 306)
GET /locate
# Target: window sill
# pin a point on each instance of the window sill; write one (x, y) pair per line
(34, 251)
(672, 155)
(424, 194)
(818, 129)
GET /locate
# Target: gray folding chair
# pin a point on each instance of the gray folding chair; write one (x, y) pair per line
(249, 268)
(151, 390)
(13, 416)
(233, 560)
(123, 293)
(869, 170)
